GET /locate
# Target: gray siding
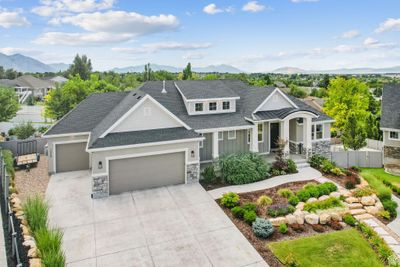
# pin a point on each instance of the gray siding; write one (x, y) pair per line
(389, 142)
(237, 145)
(263, 147)
(206, 151)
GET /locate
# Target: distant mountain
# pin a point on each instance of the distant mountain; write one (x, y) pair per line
(59, 66)
(27, 64)
(289, 70)
(156, 67)
(294, 70)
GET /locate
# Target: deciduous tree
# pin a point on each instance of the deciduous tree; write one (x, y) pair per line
(354, 133)
(8, 104)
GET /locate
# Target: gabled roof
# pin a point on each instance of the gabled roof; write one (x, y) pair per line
(390, 117)
(32, 82)
(204, 89)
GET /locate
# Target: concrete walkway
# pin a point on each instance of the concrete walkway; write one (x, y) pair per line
(304, 174)
(395, 224)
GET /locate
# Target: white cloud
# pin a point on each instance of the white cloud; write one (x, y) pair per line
(368, 44)
(16, 50)
(50, 8)
(390, 24)
(302, 1)
(76, 39)
(194, 56)
(213, 9)
(253, 6)
(346, 48)
(370, 41)
(350, 34)
(156, 47)
(13, 18)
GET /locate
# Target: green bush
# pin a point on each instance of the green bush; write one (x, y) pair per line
(283, 228)
(292, 168)
(264, 200)
(36, 210)
(384, 214)
(350, 220)
(24, 130)
(285, 192)
(313, 191)
(336, 171)
(49, 244)
(249, 206)
(209, 174)
(328, 203)
(326, 188)
(249, 216)
(238, 212)
(293, 200)
(230, 200)
(303, 195)
(280, 210)
(327, 166)
(9, 162)
(262, 228)
(316, 161)
(243, 168)
(362, 192)
(390, 206)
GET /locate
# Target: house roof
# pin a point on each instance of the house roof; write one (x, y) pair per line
(7, 83)
(204, 89)
(390, 117)
(143, 137)
(314, 102)
(32, 82)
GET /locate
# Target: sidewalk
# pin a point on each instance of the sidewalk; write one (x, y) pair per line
(395, 224)
(304, 174)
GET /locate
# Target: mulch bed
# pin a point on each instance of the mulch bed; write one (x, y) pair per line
(261, 244)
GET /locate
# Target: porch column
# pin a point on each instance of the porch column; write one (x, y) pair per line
(254, 139)
(215, 148)
(307, 136)
(285, 136)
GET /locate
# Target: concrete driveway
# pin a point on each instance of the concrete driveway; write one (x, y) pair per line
(168, 226)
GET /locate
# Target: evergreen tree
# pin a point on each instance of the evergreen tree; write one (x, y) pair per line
(187, 72)
(81, 66)
(354, 133)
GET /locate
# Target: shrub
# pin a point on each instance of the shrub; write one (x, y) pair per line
(293, 200)
(336, 171)
(335, 225)
(362, 192)
(316, 161)
(230, 200)
(384, 214)
(390, 206)
(262, 228)
(264, 201)
(36, 210)
(285, 192)
(290, 261)
(291, 166)
(238, 212)
(249, 206)
(349, 183)
(330, 186)
(318, 228)
(313, 191)
(328, 203)
(280, 210)
(303, 195)
(209, 174)
(249, 216)
(24, 130)
(297, 227)
(243, 168)
(49, 244)
(355, 168)
(283, 228)
(9, 162)
(327, 166)
(350, 220)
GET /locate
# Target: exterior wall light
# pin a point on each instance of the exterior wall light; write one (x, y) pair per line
(192, 153)
(100, 166)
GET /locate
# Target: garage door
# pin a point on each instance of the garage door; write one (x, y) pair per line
(146, 172)
(71, 157)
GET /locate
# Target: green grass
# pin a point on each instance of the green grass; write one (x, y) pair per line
(342, 248)
(382, 175)
(375, 182)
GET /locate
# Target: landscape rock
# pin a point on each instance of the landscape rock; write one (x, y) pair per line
(35, 262)
(368, 201)
(28, 237)
(311, 200)
(372, 210)
(15, 200)
(363, 216)
(375, 197)
(29, 243)
(25, 230)
(335, 194)
(300, 206)
(299, 217)
(357, 211)
(278, 221)
(379, 205)
(323, 198)
(24, 222)
(311, 218)
(354, 206)
(336, 216)
(324, 218)
(352, 200)
(19, 213)
(291, 219)
(345, 192)
(33, 253)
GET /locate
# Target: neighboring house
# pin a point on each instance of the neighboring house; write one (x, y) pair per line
(37, 87)
(160, 134)
(390, 126)
(314, 102)
(57, 79)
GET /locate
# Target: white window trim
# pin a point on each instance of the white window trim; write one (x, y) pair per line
(232, 137)
(394, 139)
(229, 105)
(262, 135)
(201, 143)
(202, 107)
(315, 132)
(216, 106)
(220, 138)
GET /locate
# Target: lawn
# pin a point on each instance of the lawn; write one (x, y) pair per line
(382, 175)
(342, 248)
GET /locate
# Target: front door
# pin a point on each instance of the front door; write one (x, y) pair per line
(274, 135)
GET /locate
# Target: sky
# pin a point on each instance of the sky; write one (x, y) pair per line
(254, 36)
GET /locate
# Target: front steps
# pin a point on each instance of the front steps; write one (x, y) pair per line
(301, 163)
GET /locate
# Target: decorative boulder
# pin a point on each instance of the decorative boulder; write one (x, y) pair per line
(312, 218)
(368, 201)
(299, 217)
(32, 252)
(29, 243)
(25, 230)
(372, 210)
(35, 262)
(291, 219)
(345, 192)
(324, 218)
(278, 221)
(379, 205)
(323, 198)
(300, 206)
(311, 200)
(352, 200)
(335, 194)
(336, 216)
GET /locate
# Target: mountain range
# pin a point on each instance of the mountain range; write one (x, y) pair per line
(294, 70)
(155, 67)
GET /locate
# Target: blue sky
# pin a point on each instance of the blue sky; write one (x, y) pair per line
(255, 36)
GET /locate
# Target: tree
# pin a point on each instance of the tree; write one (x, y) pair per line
(354, 133)
(372, 127)
(2, 72)
(81, 66)
(324, 83)
(187, 72)
(148, 73)
(297, 91)
(345, 96)
(8, 104)
(24, 130)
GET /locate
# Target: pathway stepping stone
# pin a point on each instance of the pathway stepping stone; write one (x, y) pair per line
(358, 211)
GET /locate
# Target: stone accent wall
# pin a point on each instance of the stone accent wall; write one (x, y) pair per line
(193, 173)
(294, 149)
(322, 148)
(100, 186)
(391, 152)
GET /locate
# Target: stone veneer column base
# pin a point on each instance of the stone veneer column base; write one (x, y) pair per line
(391, 159)
(193, 173)
(100, 186)
(322, 148)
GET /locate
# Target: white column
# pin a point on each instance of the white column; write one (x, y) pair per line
(285, 136)
(215, 147)
(254, 139)
(307, 135)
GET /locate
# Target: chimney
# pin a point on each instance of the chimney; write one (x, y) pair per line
(163, 88)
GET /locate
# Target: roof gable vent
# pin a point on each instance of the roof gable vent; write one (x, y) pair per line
(163, 88)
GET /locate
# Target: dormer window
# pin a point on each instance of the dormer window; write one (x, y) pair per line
(226, 105)
(212, 106)
(198, 107)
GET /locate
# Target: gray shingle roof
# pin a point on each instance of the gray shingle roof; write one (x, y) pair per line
(390, 117)
(33, 82)
(203, 89)
(142, 137)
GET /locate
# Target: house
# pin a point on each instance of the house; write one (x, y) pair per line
(390, 126)
(314, 102)
(28, 83)
(57, 79)
(161, 133)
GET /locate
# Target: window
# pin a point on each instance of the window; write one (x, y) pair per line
(248, 136)
(394, 135)
(212, 106)
(147, 111)
(317, 132)
(231, 135)
(198, 107)
(220, 136)
(260, 128)
(201, 142)
(226, 105)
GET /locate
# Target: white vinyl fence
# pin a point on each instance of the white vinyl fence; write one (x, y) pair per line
(375, 144)
(366, 159)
